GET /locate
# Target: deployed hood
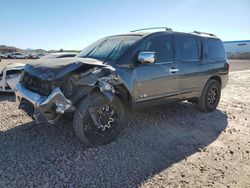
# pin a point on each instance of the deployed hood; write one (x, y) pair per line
(51, 69)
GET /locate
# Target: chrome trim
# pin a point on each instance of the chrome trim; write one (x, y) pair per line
(43, 104)
(32, 97)
(146, 57)
(173, 70)
(163, 63)
(55, 92)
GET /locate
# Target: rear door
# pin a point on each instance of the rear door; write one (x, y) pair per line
(190, 62)
(159, 79)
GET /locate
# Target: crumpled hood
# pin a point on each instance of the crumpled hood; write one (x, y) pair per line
(51, 69)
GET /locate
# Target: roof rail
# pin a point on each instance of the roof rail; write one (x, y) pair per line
(199, 33)
(166, 28)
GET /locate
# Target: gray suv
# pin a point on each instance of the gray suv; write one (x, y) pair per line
(124, 72)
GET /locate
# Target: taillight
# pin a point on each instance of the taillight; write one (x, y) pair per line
(228, 67)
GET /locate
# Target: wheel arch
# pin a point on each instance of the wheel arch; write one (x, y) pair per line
(122, 92)
(215, 77)
(201, 103)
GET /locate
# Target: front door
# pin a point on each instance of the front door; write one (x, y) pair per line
(160, 79)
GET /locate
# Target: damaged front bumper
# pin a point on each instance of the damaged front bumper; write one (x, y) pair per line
(43, 108)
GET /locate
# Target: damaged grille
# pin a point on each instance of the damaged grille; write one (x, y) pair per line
(42, 87)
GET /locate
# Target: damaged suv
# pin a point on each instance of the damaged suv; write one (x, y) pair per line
(121, 73)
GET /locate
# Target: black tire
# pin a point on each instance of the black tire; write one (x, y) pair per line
(102, 133)
(210, 96)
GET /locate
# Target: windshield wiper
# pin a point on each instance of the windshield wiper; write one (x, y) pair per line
(108, 56)
(96, 48)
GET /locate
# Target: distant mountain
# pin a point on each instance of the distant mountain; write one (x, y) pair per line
(6, 49)
(29, 50)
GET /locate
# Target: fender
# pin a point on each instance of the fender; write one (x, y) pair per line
(104, 79)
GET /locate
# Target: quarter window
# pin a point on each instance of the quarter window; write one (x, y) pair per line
(188, 49)
(215, 49)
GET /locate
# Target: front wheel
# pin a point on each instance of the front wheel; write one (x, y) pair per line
(210, 96)
(97, 121)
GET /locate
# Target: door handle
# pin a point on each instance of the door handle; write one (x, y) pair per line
(173, 70)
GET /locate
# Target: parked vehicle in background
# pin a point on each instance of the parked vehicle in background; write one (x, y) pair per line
(121, 73)
(59, 55)
(16, 55)
(8, 55)
(10, 76)
(53, 55)
(2, 56)
(36, 55)
(19, 55)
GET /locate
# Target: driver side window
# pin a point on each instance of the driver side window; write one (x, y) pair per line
(163, 47)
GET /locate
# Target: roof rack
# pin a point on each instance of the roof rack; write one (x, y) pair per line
(199, 33)
(166, 28)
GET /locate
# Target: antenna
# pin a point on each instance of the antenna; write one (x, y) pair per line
(166, 28)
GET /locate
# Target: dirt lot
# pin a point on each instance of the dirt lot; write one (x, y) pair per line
(167, 146)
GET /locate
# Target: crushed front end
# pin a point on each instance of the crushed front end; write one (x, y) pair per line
(48, 90)
(41, 99)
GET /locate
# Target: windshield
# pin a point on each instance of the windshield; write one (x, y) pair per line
(109, 49)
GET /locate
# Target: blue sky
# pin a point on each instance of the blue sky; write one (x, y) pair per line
(73, 24)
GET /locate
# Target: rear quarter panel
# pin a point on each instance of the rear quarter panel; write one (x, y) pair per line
(215, 68)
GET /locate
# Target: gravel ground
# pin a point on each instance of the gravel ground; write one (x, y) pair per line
(167, 146)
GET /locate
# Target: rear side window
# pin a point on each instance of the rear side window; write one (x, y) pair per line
(215, 49)
(188, 49)
(163, 47)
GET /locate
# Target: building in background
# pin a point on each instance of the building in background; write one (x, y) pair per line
(237, 49)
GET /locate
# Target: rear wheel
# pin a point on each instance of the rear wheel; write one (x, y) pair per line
(98, 121)
(210, 96)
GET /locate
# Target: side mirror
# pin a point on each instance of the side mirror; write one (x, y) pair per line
(146, 57)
